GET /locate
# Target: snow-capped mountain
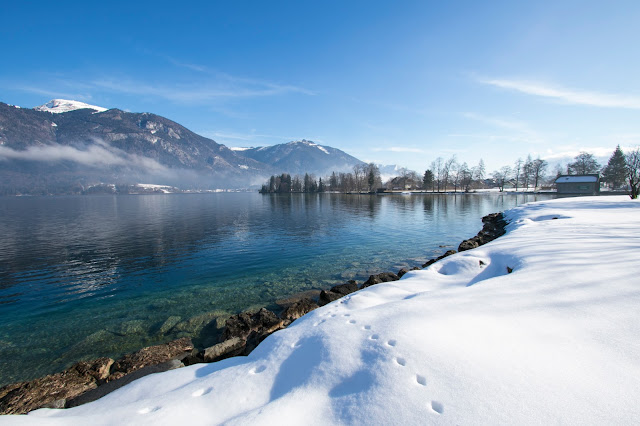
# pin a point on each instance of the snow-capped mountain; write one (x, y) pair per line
(299, 157)
(50, 153)
(58, 106)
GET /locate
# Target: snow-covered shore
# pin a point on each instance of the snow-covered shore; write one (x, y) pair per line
(557, 340)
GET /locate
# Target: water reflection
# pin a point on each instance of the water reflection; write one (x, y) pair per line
(96, 276)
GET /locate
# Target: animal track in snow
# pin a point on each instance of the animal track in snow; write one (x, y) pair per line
(401, 361)
(258, 370)
(147, 410)
(374, 337)
(318, 323)
(392, 342)
(201, 392)
(366, 327)
(421, 380)
(346, 315)
(437, 407)
(351, 321)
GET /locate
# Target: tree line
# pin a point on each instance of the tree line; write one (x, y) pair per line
(450, 175)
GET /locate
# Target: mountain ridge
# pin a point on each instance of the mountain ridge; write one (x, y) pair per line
(79, 145)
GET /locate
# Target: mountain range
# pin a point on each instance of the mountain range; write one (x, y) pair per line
(68, 146)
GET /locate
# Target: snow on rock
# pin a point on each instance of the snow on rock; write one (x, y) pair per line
(63, 105)
(465, 341)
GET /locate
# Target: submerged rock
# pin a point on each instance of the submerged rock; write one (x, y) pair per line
(169, 323)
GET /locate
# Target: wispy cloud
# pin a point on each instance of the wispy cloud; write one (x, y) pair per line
(503, 123)
(53, 93)
(399, 149)
(197, 93)
(563, 94)
(208, 87)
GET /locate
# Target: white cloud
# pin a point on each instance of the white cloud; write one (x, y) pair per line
(571, 96)
(399, 149)
(500, 122)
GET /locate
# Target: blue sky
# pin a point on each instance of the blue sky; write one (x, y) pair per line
(390, 82)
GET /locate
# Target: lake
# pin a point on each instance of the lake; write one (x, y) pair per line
(89, 276)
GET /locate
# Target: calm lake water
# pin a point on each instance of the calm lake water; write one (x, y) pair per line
(82, 277)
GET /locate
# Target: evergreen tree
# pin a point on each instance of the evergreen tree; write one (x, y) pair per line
(427, 179)
(616, 170)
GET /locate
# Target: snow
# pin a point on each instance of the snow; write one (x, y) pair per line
(238, 148)
(461, 342)
(321, 148)
(63, 105)
(576, 179)
(164, 188)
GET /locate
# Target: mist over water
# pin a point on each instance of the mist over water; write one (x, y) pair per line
(89, 276)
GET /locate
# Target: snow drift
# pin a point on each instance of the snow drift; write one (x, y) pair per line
(464, 341)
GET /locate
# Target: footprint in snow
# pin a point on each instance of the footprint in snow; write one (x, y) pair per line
(351, 321)
(437, 407)
(392, 342)
(366, 327)
(374, 337)
(421, 380)
(401, 361)
(258, 370)
(147, 410)
(201, 392)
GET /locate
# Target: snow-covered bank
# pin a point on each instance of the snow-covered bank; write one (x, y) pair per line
(461, 342)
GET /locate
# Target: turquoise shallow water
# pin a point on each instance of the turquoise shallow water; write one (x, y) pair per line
(82, 277)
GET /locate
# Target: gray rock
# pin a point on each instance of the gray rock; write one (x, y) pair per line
(298, 309)
(151, 355)
(344, 289)
(263, 322)
(328, 297)
(20, 398)
(109, 387)
(380, 278)
(226, 349)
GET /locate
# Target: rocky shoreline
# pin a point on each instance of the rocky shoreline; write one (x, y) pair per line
(87, 381)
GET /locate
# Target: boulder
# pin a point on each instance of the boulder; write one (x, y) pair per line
(493, 227)
(346, 288)
(403, 271)
(109, 387)
(380, 278)
(446, 254)
(328, 297)
(54, 390)
(228, 348)
(298, 309)
(151, 355)
(263, 322)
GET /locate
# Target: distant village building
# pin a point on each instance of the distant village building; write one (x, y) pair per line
(578, 184)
